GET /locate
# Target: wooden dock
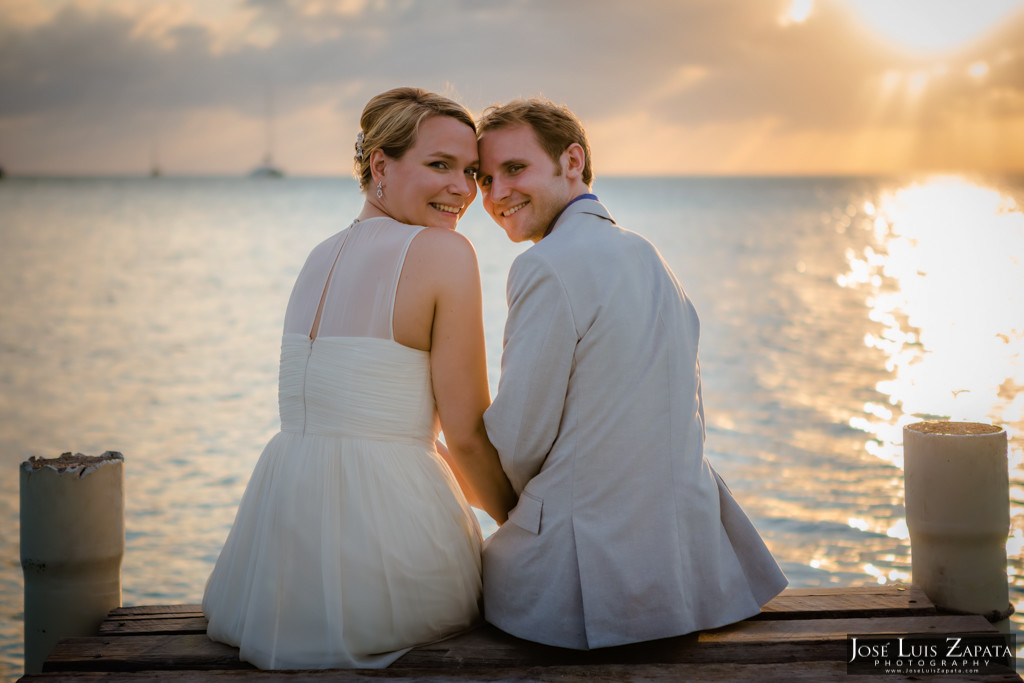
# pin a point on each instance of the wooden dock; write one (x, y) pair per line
(799, 636)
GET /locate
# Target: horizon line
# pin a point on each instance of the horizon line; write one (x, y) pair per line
(96, 175)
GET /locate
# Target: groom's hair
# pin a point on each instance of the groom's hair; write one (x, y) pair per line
(554, 125)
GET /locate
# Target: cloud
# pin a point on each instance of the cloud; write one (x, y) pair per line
(89, 84)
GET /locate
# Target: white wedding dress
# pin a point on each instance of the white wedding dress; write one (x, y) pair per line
(352, 542)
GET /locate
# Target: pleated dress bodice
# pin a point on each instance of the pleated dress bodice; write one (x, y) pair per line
(356, 387)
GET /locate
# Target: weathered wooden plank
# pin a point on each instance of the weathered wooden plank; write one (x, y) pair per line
(155, 611)
(867, 601)
(745, 642)
(871, 589)
(794, 603)
(153, 626)
(142, 653)
(811, 672)
(802, 629)
(154, 620)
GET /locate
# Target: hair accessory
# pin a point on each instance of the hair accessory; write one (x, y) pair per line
(380, 189)
(359, 145)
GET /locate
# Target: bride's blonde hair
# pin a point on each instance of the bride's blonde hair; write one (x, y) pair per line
(391, 121)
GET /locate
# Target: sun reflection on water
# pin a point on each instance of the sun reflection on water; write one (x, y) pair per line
(942, 276)
(944, 280)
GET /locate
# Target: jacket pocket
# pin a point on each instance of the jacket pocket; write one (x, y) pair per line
(527, 513)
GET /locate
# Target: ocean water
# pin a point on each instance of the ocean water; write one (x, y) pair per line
(144, 316)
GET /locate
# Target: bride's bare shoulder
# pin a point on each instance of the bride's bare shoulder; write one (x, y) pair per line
(443, 246)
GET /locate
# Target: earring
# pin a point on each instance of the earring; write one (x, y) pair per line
(380, 189)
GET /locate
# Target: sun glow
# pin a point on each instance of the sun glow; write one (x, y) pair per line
(798, 12)
(933, 26)
(978, 70)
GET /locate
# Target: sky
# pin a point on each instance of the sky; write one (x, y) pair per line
(706, 87)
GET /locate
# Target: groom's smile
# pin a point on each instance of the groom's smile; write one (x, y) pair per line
(515, 208)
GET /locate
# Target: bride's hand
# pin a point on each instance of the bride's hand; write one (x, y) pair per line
(467, 490)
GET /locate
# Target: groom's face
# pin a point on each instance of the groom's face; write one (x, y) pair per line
(523, 189)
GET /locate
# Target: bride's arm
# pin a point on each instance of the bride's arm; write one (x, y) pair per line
(459, 374)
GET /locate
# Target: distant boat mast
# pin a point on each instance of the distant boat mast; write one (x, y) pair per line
(267, 169)
(269, 115)
(154, 158)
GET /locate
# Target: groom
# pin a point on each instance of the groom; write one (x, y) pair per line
(623, 531)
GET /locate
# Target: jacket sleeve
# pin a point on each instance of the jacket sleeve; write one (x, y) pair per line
(536, 361)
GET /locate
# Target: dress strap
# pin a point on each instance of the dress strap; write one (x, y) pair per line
(314, 330)
(399, 265)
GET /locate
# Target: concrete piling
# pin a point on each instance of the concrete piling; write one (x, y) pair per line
(72, 544)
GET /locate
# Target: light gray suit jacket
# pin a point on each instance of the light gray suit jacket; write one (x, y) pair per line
(623, 531)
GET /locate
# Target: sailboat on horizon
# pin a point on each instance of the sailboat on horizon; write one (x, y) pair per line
(267, 168)
(154, 158)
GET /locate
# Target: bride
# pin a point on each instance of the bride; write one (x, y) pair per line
(354, 541)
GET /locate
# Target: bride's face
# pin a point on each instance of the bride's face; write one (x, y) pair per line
(435, 180)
